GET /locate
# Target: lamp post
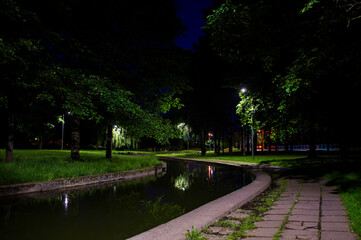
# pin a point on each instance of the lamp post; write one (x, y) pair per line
(252, 130)
(62, 134)
(62, 131)
(244, 90)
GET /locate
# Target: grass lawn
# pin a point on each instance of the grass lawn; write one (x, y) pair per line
(46, 165)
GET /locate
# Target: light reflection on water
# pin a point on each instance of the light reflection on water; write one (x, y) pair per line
(117, 211)
(65, 200)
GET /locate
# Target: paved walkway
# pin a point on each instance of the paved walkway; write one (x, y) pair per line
(307, 209)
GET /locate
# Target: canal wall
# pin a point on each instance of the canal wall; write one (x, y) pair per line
(33, 187)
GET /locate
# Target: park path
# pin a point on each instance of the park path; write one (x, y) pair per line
(307, 209)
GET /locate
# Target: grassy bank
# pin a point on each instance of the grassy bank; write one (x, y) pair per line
(277, 159)
(46, 165)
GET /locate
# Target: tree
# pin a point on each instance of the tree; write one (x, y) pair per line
(294, 60)
(83, 56)
(21, 57)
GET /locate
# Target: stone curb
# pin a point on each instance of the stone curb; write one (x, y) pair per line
(208, 213)
(32, 187)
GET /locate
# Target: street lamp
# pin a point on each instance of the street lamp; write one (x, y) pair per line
(62, 134)
(252, 130)
(244, 90)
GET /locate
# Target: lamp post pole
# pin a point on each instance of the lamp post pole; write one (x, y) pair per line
(243, 90)
(62, 134)
(252, 132)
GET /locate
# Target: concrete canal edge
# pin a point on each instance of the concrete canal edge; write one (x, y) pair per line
(208, 213)
(33, 187)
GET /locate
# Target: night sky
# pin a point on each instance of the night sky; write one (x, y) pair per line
(190, 11)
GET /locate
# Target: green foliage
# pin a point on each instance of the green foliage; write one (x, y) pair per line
(308, 6)
(248, 108)
(194, 235)
(225, 26)
(184, 130)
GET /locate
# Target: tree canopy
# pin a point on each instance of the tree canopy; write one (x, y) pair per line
(300, 58)
(112, 62)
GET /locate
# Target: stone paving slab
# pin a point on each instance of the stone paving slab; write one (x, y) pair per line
(328, 235)
(332, 208)
(334, 219)
(283, 211)
(334, 213)
(306, 206)
(331, 202)
(304, 218)
(300, 234)
(314, 203)
(331, 197)
(276, 206)
(269, 224)
(262, 232)
(298, 211)
(291, 198)
(284, 202)
(335, 226)
(309, 198)
(301, 225)
(274, 217)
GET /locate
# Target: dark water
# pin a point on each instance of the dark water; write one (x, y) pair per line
(120, 210)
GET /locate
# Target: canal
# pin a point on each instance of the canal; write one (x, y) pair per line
(117, 210)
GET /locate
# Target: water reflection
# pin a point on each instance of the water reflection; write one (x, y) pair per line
(210, 173)
(182, 182)
(65, 200)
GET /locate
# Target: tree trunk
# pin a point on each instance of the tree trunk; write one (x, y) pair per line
(40, 142)
(255, 142)
(269, 141)
(11, 130)
(312, 153)
(108, 153)
(203, 146)
(247, 143)
(243, 152)
(230, 145)
(75, 139)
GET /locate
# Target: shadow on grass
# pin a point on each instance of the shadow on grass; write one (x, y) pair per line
(321, 166)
